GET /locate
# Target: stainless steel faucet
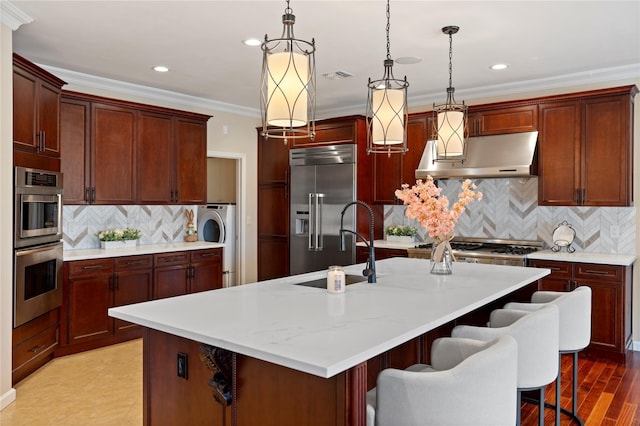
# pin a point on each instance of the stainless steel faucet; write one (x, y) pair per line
(370, 270)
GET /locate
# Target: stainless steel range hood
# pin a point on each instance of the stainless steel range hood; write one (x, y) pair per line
(511, 155)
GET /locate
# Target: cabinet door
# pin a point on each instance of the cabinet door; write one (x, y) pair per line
(24, 110)
(170, 281)
(75, 142)
(418, 130)
(607, 160)
(113, 158)
(606, 315)
(503, 120)
(133, 279)
(156, 162)
(559, 152)
(206, 270)
(90, 295)
(386, 177)
(49, 119)
(191, 161)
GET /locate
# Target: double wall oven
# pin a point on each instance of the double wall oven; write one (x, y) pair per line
(37, 244)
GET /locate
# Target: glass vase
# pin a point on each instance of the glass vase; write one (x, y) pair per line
(441, 258)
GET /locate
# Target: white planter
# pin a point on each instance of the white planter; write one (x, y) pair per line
(400, 239)
(118, 244)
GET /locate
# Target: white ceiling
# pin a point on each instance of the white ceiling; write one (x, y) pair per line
(547, 44)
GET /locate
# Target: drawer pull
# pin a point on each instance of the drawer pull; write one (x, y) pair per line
(38, 348)
(590, 271)
(91, 267)
(554, 268)
(208, 255)
(136, 262)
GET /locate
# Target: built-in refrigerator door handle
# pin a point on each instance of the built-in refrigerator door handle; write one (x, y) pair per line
(312, 229)
(318, 221)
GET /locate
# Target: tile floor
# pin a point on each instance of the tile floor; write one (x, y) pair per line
(99, 387)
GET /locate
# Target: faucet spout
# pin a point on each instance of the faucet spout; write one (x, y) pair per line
(370, 270)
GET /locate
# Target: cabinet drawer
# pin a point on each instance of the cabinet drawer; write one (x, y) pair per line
(133, 262)
(170, 259)
(34, 346)
(206, 255)
(90, 267)
(559, 270)
(597, 272)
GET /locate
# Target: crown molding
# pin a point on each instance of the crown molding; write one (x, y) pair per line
(13, 17)
(151, 93)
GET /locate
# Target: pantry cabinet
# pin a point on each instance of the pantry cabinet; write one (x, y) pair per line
(36, 116)
(126, 153)
(610, 305)
(585, 148)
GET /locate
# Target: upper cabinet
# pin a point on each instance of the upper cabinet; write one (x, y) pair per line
(585, 149)
(36, 116)
(486, 120)
(117, 152)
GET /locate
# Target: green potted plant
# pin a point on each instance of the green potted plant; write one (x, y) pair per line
(119, 238)
(401, 234)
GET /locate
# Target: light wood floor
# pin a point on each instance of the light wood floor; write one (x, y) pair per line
(104, 387)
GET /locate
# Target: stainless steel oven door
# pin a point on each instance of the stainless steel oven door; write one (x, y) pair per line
(38, 282)
(38, 218)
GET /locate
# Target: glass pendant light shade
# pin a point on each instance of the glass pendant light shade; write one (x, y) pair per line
(388, 117)
(288, 88)
(387, 111)
(450, 119)
(288, 78)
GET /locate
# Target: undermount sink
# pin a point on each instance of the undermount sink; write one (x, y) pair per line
(322, 282)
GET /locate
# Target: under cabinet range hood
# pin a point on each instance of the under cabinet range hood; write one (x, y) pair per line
(510, 155)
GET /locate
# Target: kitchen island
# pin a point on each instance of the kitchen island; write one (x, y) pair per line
(299, 353)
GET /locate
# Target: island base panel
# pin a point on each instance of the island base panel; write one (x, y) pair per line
(171, 400)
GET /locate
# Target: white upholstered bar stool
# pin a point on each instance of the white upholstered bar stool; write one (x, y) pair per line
(536, 333)
(575, 334)
(470, 382)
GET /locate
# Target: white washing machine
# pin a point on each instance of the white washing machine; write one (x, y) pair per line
(217, 224)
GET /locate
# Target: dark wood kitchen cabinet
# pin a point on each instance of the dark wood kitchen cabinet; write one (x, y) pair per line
(94, 286)
(487, 120)
(610, 305)
(36, 116)
(34, 344)
(585, 149)
(362, 253)
(390, 172)
(119, 152)
(183, 272)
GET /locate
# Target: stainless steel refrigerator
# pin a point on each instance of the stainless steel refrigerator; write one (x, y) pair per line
(323, 181)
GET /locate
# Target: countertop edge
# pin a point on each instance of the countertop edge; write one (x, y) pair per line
(98, 253)
(584, 257)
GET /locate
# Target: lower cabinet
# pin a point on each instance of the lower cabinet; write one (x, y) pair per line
(33, 344)
(93, 286)
(610, 304)
(186, 272)
(362, 253)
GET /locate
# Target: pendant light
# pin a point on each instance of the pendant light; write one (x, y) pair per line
(288, 86)
(450, 118)
(387, 109)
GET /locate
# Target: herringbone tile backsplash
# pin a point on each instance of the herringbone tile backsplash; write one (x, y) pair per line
(509, 210)
(159, 224)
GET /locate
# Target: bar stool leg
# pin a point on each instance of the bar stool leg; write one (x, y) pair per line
(518, 408)
(558, 390)
(541, 407)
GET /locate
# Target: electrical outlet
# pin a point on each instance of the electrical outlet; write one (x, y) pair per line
(183, 364)
(614, 231)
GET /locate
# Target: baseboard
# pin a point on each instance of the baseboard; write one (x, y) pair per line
(7, 398)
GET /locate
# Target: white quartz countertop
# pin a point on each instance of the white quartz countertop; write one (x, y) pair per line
(98, 253)
(321, 333)
(582, 257)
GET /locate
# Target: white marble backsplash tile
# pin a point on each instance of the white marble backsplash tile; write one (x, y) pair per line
(509, 209)
(159, 224)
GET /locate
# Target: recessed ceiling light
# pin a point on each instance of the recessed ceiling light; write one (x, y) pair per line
(407, 60)
(252, 42)
(498, 66)
(160, 68)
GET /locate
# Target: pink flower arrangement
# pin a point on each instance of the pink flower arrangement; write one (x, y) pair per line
(427, 206)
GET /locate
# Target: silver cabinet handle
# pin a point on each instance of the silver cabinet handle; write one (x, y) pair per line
(318, 221)
(311, 222)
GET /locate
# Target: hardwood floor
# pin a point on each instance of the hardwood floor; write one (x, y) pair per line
(608, 393)
(104, 387)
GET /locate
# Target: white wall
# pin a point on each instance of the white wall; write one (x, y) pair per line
(7, 393)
